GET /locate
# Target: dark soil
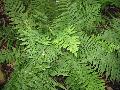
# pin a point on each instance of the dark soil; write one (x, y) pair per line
(110, 11)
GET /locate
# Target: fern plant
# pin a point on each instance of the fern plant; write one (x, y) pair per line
(69, 38)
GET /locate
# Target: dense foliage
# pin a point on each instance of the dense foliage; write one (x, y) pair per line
(78, 40)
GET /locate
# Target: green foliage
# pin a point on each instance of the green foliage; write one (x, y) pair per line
(67, 39)
(60, 37)
(79, 75)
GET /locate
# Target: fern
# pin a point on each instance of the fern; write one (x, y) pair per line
(61, 37)
(79, 75)
(67, 40)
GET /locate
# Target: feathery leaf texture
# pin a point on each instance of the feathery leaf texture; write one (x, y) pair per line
(62, 37)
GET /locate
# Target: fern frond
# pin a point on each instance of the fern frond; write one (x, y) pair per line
(84, 78)
(78, 14)
(13, 7)
(68, 40)
(9, 56)
(30, 79)
(79, 75)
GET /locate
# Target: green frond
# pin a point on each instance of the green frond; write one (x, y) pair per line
(67, 40)
(78, 14)
(14, 7)
(100, 53)
(30, 79)
(83, 78)
(9, 56)
(79, 75)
